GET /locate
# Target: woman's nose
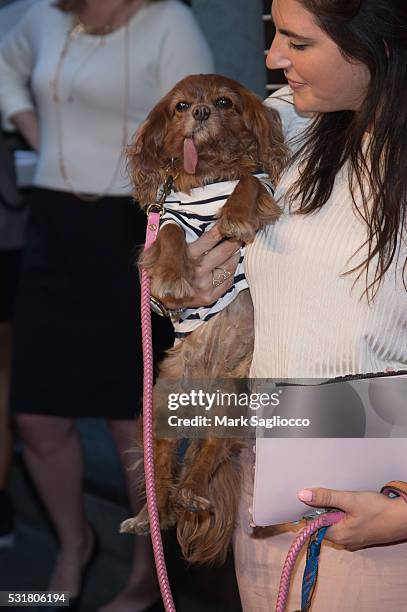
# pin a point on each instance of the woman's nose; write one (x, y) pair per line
(277, 57)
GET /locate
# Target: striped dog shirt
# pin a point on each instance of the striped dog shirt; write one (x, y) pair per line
(196, 213)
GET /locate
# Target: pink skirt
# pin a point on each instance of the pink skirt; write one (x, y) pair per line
(369, 580)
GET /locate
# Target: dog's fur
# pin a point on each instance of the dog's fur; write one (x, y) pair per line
(233, 139)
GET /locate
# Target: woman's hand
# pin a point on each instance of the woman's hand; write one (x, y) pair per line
(370, 518)
(208, 255)
(27, 124)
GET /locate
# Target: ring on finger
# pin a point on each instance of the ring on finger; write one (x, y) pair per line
(219, 276)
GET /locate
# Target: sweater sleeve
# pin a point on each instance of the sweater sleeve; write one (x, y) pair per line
(16, 63)
(183, 48)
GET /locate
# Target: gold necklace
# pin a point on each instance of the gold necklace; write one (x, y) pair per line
(81, 28)
(71, 36)
(74, 33)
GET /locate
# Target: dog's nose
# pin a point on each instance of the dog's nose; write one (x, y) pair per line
(201, 113)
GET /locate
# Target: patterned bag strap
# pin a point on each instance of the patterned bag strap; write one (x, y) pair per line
(398, 487)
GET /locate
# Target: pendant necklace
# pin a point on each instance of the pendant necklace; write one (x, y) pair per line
(79, 29)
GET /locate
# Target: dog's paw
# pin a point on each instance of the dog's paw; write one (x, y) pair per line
(167, 520)
(188, 500)
(231, 226)
(139, 524)
(167, 283)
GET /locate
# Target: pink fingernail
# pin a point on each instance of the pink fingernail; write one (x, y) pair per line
(305, 495)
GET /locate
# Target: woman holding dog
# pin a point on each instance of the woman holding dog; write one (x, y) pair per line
(346, 212)
(77, 77)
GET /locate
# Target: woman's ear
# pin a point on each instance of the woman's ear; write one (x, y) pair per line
(145, 162)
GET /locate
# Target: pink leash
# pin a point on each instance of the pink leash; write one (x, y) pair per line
(153, 222)
(330, 518)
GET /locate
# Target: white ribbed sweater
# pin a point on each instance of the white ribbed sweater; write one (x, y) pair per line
(309, 321)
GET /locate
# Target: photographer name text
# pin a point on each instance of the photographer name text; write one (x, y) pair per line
(241, 421)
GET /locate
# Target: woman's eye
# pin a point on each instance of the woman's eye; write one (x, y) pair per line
(182, 106)
(298, 47)
(223, 102)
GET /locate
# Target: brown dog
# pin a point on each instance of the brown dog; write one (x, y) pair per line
(208, 129)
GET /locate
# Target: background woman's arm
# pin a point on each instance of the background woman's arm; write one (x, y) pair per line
(17, 53)
(26, 123)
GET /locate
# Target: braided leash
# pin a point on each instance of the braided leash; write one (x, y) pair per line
(154, 213)
(321, 523)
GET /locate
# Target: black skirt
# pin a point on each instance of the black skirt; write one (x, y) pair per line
(77, 346)
(9, 271)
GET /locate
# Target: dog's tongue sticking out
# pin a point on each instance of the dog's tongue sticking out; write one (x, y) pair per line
(190, 156)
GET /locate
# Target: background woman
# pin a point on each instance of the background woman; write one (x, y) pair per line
(77, 78)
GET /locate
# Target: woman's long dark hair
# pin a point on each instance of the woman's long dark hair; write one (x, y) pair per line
(69, 6)
(373, 32)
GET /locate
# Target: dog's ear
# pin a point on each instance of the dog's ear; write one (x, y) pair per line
(145, 160)
(265, 124)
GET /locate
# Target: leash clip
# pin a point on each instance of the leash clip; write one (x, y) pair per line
(314, 513)
(159, 206)
(155, 207)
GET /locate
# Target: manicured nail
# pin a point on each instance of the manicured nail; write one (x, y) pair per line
(305, 495)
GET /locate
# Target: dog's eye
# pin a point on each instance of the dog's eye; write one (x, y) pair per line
(223, 102)
(182, 106)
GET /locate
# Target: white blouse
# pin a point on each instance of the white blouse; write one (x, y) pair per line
(165, 44)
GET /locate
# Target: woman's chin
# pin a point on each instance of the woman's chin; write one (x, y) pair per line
(302, 103)
(306, 104)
